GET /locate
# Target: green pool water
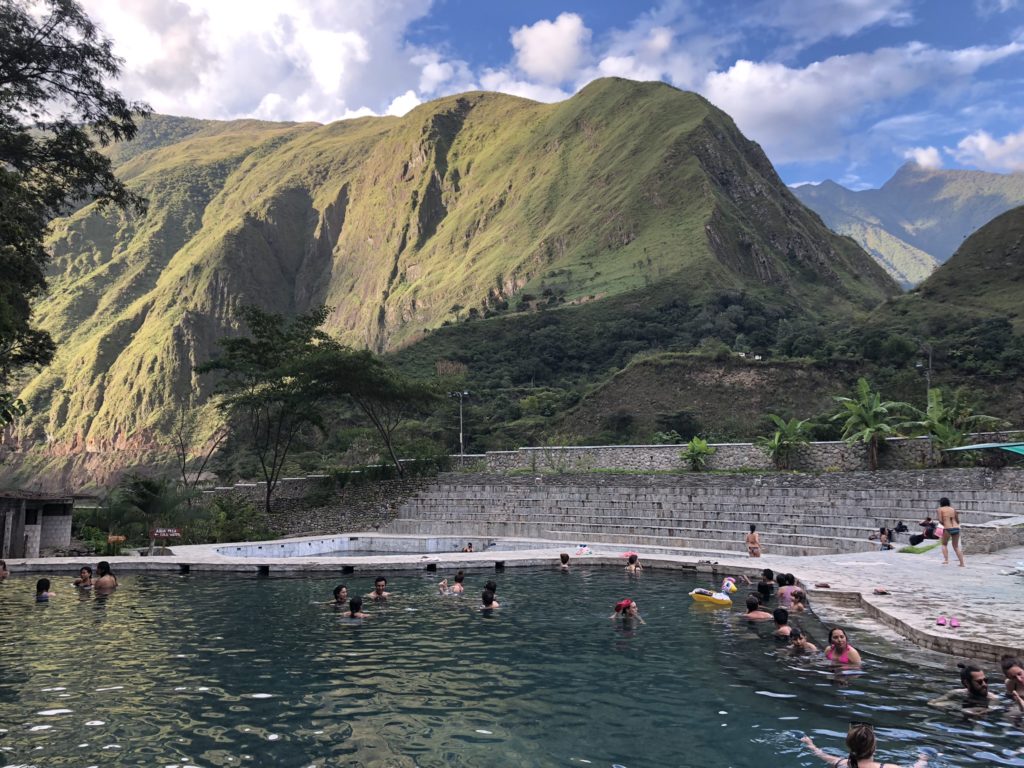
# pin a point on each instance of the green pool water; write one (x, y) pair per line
(228, 671)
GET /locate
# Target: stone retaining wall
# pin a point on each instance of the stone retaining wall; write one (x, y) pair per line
(900, 453)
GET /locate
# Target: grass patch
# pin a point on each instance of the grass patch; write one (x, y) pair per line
(921, 549)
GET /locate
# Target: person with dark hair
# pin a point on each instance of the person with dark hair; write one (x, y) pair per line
(781, 618)
(754, 610)
(861, 743)
(950, 520)
(973, 698)
(764, 592)
(1013, 671)
(105, 578)
(786, 589)
(43, 593)
(457, 587)
(799, 602)
(633, 564)
(84, 580)
(839, 649)
(340, 596)
(800, 644)
(355, 608)
(564, 558)
(4, 573)
(468, 547)
(753, 542)
(380, 589)
(491, 586)
(487, 600)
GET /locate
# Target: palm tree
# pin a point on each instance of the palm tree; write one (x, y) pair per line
(788, 436)
(868, 419)
(151, 502)
(949, 425)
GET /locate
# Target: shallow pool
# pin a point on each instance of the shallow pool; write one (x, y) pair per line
(226, 671)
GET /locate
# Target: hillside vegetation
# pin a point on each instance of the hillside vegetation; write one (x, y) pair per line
(918, 218)
(631, 216)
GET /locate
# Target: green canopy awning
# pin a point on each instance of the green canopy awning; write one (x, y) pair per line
(1017, 448)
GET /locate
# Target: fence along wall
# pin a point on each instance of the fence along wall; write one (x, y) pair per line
(900, 453)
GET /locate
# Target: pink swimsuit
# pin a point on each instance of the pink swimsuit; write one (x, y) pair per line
(844, 659)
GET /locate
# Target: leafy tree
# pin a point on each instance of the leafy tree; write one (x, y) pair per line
(697, 453)
(268, 389)
(151, 502)
(949, 425)
(55, 107)
(185, 436)
(10, 408)
(868, 419)
(787, 437)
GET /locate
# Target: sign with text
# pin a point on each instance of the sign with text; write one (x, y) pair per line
(165, 533)
(115, 539)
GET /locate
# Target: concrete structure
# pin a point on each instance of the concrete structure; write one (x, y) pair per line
(33, 523)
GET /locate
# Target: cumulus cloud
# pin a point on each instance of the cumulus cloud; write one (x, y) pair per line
(804, 113)
(926, 157)
(402, 104)
(552, 51)
(989, 153)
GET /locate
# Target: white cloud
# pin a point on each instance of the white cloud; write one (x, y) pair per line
(503, 81)
(402, 104)
(814, 20)
(804, 113)
(989, 7)
(984, 151)
(926, 157)
(552, 51)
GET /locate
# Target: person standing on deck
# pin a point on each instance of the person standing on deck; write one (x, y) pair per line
(950, 521)
(753, 542)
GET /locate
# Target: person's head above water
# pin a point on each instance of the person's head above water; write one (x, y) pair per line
(837, 638)
(781, 616)
(491, 586)
(972, 677)
(85, 572)
(460, 577)
(564, 557)
(355, 605)
(341, 593)
(768, 574)
(103, 568)
(790, 580)
(380, 584)
(632, 559)
(487, 598)
(765, 591)
(753, 603)
(861, 742)
(43, 585)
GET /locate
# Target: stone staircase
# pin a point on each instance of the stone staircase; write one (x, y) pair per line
(706, 515)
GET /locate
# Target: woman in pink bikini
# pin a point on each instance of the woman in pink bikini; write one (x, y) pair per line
(839, 649)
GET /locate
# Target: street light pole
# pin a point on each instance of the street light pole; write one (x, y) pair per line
(461, 395)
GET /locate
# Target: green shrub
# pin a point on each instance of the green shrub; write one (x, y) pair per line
(697, 453)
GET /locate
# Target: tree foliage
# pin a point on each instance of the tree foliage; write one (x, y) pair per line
(55, 107)
(948, 425)
(868, 419)
(785, 440)
(697, 453)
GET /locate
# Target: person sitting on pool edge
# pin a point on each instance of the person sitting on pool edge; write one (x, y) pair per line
(105, 578)
(754, 611)
(782, 628)
(839, 649)
(355, 608)
(84, 580)
(487, 601)
(43, 593)
(861, 741)
(468, 547)
(973, 698)
(380, 589)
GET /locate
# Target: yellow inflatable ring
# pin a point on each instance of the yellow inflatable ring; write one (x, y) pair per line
(707, 596)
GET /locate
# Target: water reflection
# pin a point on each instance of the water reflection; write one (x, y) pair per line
(225, 671)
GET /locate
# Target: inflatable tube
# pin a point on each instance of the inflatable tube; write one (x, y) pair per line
(707, 596)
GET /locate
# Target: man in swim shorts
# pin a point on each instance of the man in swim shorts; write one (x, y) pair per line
(950, 530)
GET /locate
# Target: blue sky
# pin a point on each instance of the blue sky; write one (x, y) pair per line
(841, 89)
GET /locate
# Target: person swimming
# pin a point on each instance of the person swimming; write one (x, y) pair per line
(800, 644)
(43, 593)
(627, 610)
(105, 578)
(355, 609)
(84, 580)
(799, 602)
(340, 596)
(862, 744)
(839, 649)
(380, 589)
(4, 573)
(1013, 672)
(973, 698)
(633, 564)
(754, 610)
(457, 587)
(781, 618)
(487, 600)
(564, 558)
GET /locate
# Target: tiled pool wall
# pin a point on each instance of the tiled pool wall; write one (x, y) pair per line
(399, 545)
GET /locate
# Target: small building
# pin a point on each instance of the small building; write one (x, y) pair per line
(31, 522)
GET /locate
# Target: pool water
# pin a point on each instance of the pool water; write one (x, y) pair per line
(226, 671)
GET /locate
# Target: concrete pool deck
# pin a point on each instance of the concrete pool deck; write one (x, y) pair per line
(985, 597)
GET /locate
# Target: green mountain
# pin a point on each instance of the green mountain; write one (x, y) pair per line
(918, 218)
(480, 210)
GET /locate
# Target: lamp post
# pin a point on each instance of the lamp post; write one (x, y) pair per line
(461, 395)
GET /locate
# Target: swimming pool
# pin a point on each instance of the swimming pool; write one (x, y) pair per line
(228, 671)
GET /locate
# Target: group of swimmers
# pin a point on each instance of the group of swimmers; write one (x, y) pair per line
(353, 606)
(104, 581)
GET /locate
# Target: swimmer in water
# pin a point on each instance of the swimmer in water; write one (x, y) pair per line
(380, 589)
(754, 611)
(1013, 671)
(800, 644)
(4, 573)
(487, 601)
(627, 610)
(340, 596)
(43, 593)
(564, 558)
(84, 580)
(457, 587)
(973, 698)
(839, 649)
(633, 566)
(861, 743)
(782, 628)
(799, 602)
(355, 608)
(105, 579)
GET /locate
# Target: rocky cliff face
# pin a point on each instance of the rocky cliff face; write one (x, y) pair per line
(459, 209)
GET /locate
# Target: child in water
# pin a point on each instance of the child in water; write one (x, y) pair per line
(43, 593)
(355, 609)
